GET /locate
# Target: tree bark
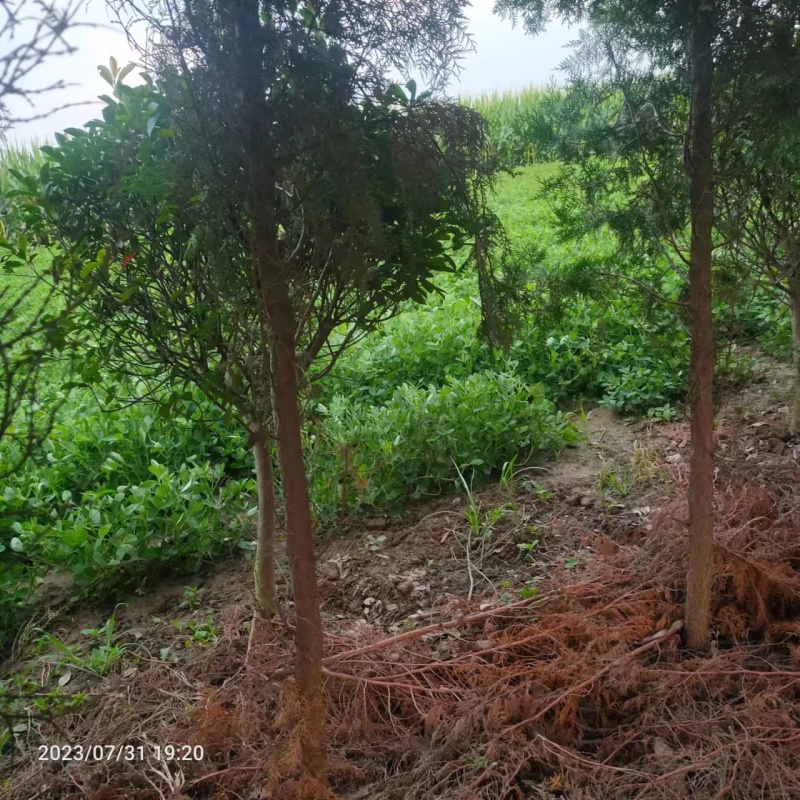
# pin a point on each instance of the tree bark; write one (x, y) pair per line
(299, 528)
(271, 278)
(794, 399)
(265, 544)
(701, 191)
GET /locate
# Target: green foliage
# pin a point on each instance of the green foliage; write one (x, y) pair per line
(114, 498)
(113, 535)
(23, 701)
(522, 124)
(424, 345)
(197, 633)
(16, 162)
(373, 543)
(107, 652)
(191, 597)
(407, 447)
(122, 495)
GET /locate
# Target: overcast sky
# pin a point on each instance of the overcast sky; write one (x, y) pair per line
(505, 58)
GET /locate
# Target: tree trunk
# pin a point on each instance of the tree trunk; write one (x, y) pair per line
(271, 280)
(701, 190)
(794, 399)
(265, 546)
(299, 529)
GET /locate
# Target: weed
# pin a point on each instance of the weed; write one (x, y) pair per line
(481, 523)
(527, 549)
(191, 597)
(373, 543)
(540, 492)
(665, 413)
(168, 654)
(477, 762)
(644, 464)
(98, 661)
(23, 701)
(507, 476)
(618, 483)
(199, 633)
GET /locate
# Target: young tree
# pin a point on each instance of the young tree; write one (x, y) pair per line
(699, 157)
(310, 198)
(639, 51)
(119, 193)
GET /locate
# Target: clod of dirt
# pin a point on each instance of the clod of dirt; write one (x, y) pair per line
(777, 446)
(329, 571)
(608, 548)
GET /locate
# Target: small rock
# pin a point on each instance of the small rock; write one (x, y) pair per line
(405, 588)
(328, 571)
(376, 523)
(775, 445)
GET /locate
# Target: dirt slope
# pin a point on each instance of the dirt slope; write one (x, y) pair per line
(493, 646)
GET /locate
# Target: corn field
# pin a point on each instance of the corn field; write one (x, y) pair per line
(523, 124)
(23, 161)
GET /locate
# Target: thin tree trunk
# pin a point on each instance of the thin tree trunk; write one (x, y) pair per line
(299, 528)
(794, 399)
(701, 480)
(272, 285)
(265, 544)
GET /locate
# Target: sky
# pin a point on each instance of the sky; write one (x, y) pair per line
(505, 59)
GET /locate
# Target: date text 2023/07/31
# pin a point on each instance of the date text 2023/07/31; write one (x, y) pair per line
(121, 752)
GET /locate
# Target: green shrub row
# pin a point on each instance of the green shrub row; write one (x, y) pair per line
(412, 445)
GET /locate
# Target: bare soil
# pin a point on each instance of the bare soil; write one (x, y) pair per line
(523, 642)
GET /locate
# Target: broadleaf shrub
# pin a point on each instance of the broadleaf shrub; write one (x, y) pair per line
(411, 445)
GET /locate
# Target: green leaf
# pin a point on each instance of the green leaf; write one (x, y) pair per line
(124, 72)
(397, 93)
(105, 74)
